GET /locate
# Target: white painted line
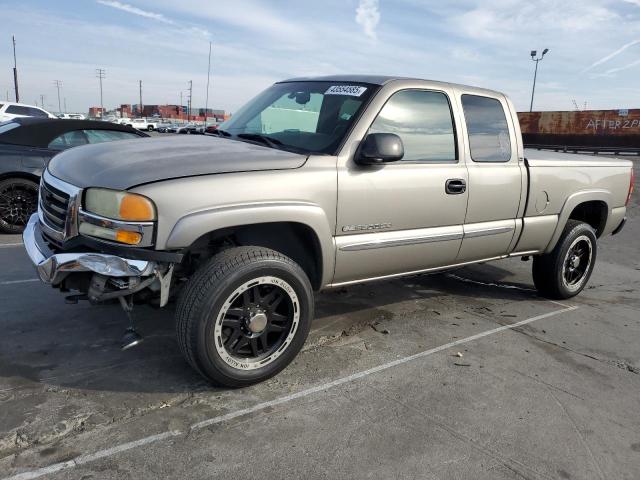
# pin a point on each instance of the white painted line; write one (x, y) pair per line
(278, 401)
(9, 245)
(81, 460)
(13, 282)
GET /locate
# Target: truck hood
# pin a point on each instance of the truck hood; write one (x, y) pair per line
(125, 164)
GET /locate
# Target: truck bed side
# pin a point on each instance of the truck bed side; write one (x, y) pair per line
(563, 186)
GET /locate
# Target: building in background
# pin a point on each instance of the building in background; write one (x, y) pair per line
(96, 112)
(587, 129)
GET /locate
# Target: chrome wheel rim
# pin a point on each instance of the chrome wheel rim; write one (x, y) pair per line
(257, 323)
(577, 263)
(17, 203)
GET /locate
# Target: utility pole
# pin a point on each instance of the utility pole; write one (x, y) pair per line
(535, 59)
(65, 104)
(100, 73)
(58, 84)
(42, 100)
(206, 103)
(189, 104)
(140, 82)
(180, 104)
(15, 70)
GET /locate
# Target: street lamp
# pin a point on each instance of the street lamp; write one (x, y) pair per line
(535, 58)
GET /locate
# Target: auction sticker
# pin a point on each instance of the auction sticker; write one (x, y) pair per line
(351, 90)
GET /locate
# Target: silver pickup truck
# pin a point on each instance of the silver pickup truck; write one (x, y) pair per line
(315, 183)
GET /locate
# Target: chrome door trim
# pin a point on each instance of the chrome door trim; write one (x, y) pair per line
(397, 242)
(487, 231)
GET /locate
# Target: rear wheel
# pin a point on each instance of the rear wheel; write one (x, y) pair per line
(565, 271)
(244, 316)
(18, 200)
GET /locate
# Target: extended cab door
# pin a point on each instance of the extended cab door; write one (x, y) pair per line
(496, 177)
(407, 215)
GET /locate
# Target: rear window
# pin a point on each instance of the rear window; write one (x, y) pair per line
(18, 110)
(487, 128)
(36, 112)
(101, 136)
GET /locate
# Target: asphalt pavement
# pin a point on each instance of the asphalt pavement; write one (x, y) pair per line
(462, 375)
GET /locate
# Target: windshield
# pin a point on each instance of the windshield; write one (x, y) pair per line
(310, 117)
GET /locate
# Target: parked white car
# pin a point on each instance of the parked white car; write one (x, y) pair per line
(72, 116)
(11, 110)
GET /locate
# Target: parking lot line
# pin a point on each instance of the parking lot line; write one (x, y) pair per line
(83, 459)
(26, 280)
(8, 245)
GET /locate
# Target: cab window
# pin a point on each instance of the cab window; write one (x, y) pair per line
(487, 127)
(423, 120)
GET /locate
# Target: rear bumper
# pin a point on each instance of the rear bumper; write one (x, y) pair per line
(620, 227)
(53, 267)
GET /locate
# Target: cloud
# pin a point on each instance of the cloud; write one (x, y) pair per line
(613, 54)
(368, 16)
(136, 11)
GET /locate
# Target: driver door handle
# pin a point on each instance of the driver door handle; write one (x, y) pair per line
(455, 186)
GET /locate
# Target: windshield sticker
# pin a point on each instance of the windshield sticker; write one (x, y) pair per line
(351, 90)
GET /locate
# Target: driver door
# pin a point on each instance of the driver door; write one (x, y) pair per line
(402, 217)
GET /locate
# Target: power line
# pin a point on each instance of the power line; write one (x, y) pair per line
(58, 84)
(101, 73)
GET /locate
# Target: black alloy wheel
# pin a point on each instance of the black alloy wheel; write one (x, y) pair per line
(18, 201)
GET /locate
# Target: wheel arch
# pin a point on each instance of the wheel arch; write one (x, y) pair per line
(21, 175)
(592, 207)
(301, 232)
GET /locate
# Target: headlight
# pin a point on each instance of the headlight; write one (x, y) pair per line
(118, 216)
(118, 205)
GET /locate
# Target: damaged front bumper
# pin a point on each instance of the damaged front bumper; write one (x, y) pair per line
(54, 268)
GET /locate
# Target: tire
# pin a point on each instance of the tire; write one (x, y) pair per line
(150, 128)
(227, 326)
(18, 200)
(564, 272)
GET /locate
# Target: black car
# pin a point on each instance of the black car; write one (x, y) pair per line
(27, 145)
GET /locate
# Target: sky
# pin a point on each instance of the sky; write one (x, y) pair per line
(594, 47)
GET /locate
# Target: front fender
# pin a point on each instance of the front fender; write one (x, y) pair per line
(193, 226)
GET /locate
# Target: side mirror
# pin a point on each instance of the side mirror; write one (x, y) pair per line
(377, 148)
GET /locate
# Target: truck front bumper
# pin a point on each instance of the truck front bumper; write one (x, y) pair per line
(53, 268)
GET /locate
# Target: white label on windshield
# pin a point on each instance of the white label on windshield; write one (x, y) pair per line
(351, 90)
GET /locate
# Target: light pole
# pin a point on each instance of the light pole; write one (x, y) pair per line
(535, 58)
(58, 84)
(15, 70)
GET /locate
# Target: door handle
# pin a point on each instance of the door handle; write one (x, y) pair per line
(455, 186)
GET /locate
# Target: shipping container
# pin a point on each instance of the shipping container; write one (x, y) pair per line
(585, 129)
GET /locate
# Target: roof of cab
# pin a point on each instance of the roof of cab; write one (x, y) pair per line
(384, 79)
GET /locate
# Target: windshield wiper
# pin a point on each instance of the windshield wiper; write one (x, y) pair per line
(268, 141)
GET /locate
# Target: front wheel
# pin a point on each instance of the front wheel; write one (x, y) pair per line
(244, 316)
(565, 271)
(18, 200)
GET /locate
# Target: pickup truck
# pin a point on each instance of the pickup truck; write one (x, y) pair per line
(148, 124)
(316, 183)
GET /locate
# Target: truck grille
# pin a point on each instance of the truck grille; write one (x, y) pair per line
(54, 205)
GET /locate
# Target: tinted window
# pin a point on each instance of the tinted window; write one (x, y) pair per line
(68, 140)
(36, 112)
(7, 126)
(487, 127)
(423, 121)
(18, 110)
(1, 105)
(100, 136)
